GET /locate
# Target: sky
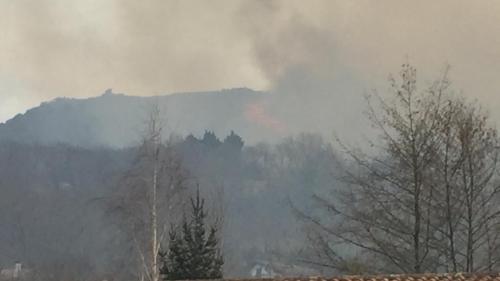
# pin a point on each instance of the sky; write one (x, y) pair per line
(302, 52)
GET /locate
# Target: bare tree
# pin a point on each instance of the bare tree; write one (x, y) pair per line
(390, 200)
(386, 210)
(446, 167)
(145, 200)
(478, 143)
(467, 184)
(427, 198)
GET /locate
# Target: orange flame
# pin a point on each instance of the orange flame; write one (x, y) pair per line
(256, 112)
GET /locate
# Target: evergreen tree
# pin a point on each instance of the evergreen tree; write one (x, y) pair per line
(210, 140)
(234, 140)
(175, 260)
(213, 256)
(192, 254)
(191, 140)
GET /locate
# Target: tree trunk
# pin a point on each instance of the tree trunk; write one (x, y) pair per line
(154, 222)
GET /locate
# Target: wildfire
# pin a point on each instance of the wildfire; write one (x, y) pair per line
(256, 113)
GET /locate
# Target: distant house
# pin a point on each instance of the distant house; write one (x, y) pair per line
(262, 269)
(15, 273)
(266, 269)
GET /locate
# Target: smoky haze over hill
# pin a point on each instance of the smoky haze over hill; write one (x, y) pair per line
(117, 120)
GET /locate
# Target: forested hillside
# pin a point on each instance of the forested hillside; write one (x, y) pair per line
(55, 214)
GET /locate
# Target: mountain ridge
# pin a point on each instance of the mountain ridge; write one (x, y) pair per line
(116, 119)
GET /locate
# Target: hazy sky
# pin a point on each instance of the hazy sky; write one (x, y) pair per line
(80, 48)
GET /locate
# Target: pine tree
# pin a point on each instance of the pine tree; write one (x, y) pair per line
(192, 254)
(210, 139)
(175, 260)
(234, 140)
(213, 255)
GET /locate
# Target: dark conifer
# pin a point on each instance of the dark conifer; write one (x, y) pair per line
(192, 254)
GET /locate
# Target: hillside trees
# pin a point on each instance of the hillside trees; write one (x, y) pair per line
(55, 216)
(48, 218)
(424, 198)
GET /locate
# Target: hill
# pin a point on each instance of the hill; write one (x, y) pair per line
(116, 120)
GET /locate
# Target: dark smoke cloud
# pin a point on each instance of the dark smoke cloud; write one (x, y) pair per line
(316, 58)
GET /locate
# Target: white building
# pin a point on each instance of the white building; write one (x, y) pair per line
(15, 273)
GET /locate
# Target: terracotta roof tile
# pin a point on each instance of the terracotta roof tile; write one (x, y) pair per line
(393, 277)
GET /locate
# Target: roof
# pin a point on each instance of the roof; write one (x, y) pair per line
(393, 277)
